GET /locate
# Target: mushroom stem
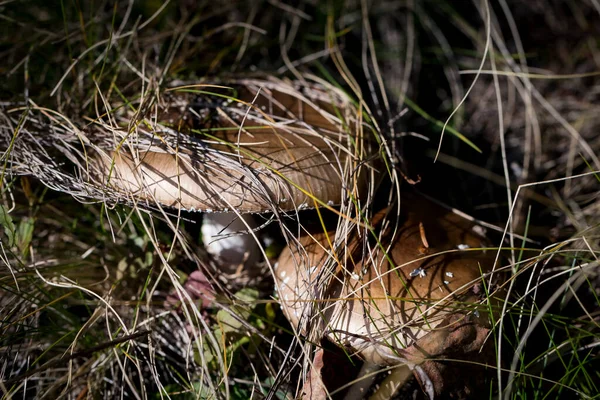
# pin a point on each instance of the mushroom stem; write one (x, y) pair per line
(226, 237)
(365, 379)
(389, 387)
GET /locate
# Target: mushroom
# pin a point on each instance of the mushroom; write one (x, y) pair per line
(244, 146)
(417, 302)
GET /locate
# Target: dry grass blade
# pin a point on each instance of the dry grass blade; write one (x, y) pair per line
(123, 124)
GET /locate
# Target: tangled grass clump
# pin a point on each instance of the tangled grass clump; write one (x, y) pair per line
(107, 292)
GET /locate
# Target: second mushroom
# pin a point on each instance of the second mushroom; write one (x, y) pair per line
(417, 299)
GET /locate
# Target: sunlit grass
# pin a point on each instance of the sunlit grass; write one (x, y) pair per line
(88, 273)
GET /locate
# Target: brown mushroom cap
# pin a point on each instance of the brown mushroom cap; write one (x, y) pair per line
(268, 144)
(379, 308)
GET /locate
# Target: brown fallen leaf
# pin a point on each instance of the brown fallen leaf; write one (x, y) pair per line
(198, 287)
(314, 388)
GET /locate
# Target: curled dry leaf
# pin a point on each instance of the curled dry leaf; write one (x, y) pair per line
(314, 387)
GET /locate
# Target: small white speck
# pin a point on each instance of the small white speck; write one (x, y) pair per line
(209, 210)
(516, 169)
(420, 272)
(276, 265)
(476, 313)
(312, 269)
(450, 274)
(330, 203)
(282, 274)
(355, 276)
(479, 230)
(286, 280)
(285, 297)
(446, 282)
(463, 246)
